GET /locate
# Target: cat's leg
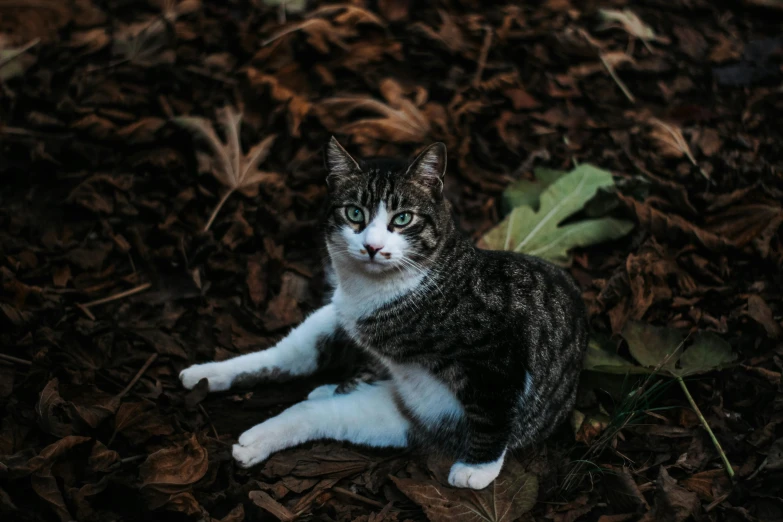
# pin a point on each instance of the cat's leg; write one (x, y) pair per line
(295, 355)
(368, 415)
(489, 431)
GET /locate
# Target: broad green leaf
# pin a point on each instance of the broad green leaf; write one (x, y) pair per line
(528, 193)
(539, 232)
(292, 6)
(708, 352)
(601, 358)
(662, 348)
(652, 346)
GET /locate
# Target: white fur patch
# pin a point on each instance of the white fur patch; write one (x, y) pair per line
(367, 416)
(475, 476)
(427, 397)
(296, 354)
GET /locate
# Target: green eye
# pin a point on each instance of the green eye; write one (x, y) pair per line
(402, 219)
(354, 214)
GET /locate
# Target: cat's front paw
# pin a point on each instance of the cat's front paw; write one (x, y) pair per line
(248, 456)
(217, 374)
(474, 476)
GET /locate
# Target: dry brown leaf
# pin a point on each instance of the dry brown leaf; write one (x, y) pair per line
(267, 503)
(671, 142)
(237, 171)
(169, 470)
(401, 120)
(298, 106)
(507, 498)
(759, 311)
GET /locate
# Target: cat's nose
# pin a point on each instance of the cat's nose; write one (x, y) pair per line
(373, 249)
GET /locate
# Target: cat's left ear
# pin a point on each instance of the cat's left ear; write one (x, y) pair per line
(429, 167)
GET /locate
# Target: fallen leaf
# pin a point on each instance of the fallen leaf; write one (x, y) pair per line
(759, 311)
(672, 502)
(538, 233)
(267, 503)
(401, 120)
(507, 498)
(233, 169)
(169, 470)
(661, 349)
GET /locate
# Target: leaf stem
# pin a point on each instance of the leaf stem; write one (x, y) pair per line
(217, 209)
(726, 464)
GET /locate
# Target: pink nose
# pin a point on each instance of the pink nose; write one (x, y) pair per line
(373, 249)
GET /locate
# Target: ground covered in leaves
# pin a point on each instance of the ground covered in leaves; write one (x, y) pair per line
(144, 226)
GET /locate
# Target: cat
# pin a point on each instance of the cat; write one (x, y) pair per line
(479, 351)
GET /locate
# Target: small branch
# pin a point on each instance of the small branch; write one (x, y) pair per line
(141, 371)
(726, 463)
(482, 62)
(18, 52)
(360, 498)
(217, 209)
(16, 360)
(115, 297)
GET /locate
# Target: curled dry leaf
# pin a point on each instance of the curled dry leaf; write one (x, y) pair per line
(400, 121)
(171, 470)
(231, 167)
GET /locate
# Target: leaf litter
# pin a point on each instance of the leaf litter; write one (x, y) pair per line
(649, 171)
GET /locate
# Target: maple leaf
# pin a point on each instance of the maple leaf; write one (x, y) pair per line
(237, 171)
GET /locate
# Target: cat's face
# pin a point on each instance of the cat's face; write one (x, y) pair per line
(385, 215)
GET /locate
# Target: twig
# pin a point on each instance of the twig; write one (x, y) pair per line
(115, 297)
(141, 371)
(726, 463)
(617, 79)
(86, 311)
(17, 360)
(217, 209)
(209, 421)
(351, 494)
(18, 52)
(482, 62)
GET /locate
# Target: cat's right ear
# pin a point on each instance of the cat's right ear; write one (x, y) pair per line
(340, 165)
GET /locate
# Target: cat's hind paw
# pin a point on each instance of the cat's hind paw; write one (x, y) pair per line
(474, 476)
(218, 376)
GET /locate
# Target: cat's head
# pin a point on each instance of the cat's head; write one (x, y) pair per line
(385, 215)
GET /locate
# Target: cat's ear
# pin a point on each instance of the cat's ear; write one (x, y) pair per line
(429, 167)
(339, 164)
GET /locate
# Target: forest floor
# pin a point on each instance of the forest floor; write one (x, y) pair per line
(114, 277)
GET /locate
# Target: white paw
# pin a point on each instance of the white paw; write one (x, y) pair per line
(254, 435)
(327, 390)
(474, 476)
(218, 375)
(247, 456)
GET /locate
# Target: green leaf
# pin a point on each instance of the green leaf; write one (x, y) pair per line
(662, 348)
(601, 358)
(538, 232)
(528, 193)
(652, 346)
(292, 6)
(708, 352)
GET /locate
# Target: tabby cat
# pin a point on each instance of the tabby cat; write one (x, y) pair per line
(480, 350)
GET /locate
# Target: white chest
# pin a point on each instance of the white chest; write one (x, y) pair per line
(425, 396)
